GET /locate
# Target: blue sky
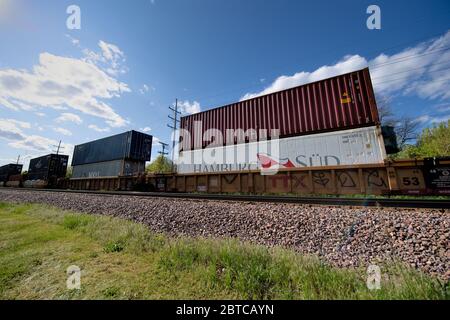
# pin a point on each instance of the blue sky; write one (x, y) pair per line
(131, 59)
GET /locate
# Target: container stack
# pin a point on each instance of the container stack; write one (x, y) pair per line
(9, 170)
(124, 154)
(330, 122)
(48, 168)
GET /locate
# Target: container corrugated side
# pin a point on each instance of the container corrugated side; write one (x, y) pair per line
(113, 168)
(131, 145)
(347, 147)
(9, 170)
(338, 103)
(49, 166)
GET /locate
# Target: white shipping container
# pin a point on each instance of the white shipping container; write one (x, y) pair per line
(348, 147)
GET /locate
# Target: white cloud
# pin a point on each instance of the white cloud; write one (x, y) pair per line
(60, 82)
(412, 71)
(63, 131)
(347, 64)
(155, 142)
(73, 40)
(111, 58)
(40, 114)
(146, 129)
(10, 130)
(22, 124)
(69, 117)
(423, 119)
(145, 88)
(95, 128)
(187, 107)
(42, 146)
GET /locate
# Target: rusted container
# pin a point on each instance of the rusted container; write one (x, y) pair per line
(343, 102)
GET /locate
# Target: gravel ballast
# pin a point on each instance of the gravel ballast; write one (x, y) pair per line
(342, 236)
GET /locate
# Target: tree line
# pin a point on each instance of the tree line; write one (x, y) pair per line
(432, 141)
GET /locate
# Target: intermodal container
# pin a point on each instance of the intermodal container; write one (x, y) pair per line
(346, 147)
(343, 102)
(113, 168)
(48, 167)
(131, 145)
(9, 170)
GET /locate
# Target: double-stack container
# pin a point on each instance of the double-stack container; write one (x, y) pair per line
(48, 168)
(124, 154)
(335, 118)
(9, 170)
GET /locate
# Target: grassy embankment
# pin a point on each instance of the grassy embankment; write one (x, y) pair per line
(123, 260)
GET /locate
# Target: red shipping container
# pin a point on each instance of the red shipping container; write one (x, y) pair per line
(339, 103)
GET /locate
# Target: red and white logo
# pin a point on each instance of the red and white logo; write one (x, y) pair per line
(268, 162)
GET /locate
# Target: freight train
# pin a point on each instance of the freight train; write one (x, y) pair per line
(323, 137)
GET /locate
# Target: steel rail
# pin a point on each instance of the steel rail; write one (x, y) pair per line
(355, 202)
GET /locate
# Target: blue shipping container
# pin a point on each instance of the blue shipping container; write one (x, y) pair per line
(9, 170)
(131, 145)
(48, 167)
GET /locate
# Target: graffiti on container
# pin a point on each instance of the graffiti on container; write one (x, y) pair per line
(230, 178)
(283, 178)
(320, 178)
(297, 181)
(375, 179)
(345, 180)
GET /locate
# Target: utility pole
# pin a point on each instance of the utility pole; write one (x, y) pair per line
(164, 146)
(18, 158)
(174, 127)
(58, 147)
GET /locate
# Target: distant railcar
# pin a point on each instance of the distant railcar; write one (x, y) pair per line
(124, 154)
(9, 170)
(48, 168)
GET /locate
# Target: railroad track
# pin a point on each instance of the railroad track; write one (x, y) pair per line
(356, 202)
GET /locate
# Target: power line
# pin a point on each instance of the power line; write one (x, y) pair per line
(372, 67)
(408, 57)
(406, 77)
(434, 81)
(408, 70)
(375, 66)
(385, 77)
(402, 78)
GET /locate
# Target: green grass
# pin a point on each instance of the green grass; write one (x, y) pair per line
(120, 259)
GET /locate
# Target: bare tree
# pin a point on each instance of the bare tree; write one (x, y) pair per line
(385, 112)
(406, 130)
